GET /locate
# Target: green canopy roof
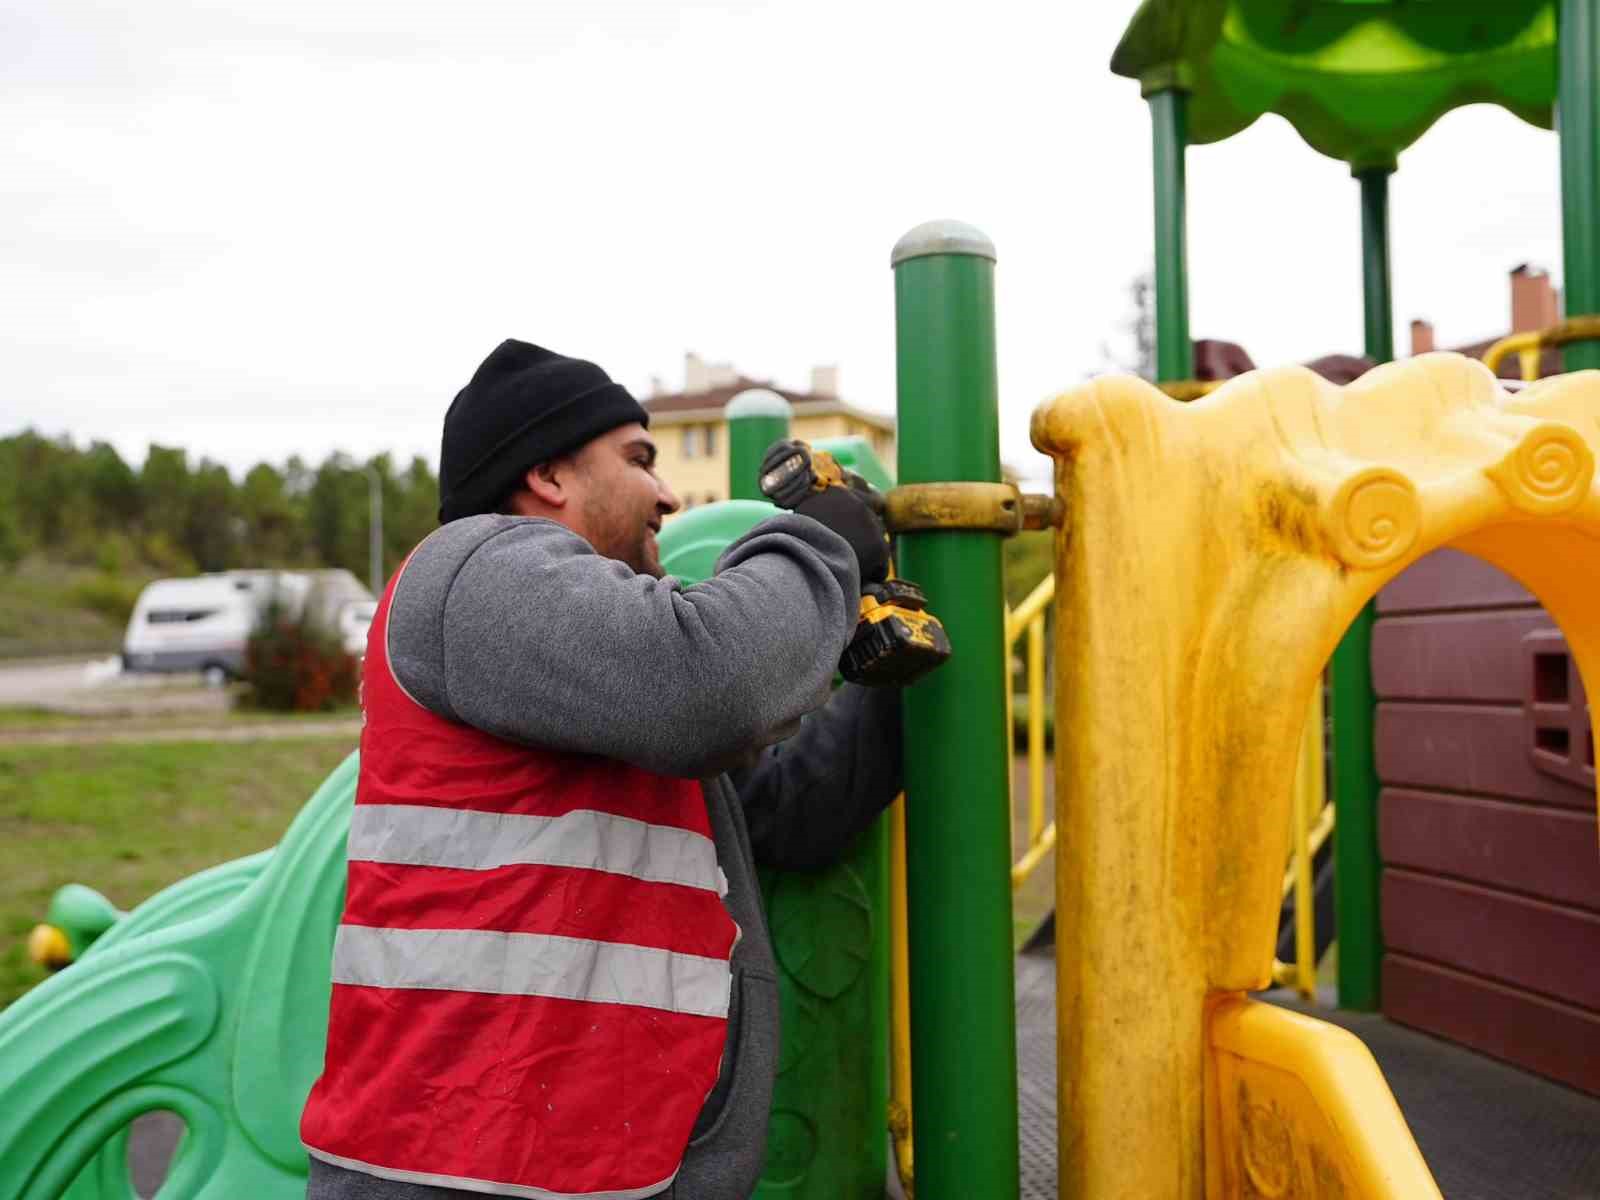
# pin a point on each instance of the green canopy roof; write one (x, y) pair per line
(1360, 80)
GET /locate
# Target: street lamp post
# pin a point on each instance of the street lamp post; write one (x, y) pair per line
(375, 529)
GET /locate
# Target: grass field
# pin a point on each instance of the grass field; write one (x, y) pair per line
(130, 819)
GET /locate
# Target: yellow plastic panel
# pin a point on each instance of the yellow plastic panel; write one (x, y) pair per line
(1300, 1111)
(1211, 556)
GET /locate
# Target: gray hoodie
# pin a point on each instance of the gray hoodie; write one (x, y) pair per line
(517, 627)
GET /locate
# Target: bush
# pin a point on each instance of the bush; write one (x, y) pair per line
(292, 667)
(113, 598)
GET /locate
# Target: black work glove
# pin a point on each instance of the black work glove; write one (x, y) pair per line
(846, 509)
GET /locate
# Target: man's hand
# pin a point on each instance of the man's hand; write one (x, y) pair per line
(789, 479)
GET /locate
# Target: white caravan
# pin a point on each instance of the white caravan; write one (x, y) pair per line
(199, 624)
(202, 623)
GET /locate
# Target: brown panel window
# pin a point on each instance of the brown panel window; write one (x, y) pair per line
(1555, 709)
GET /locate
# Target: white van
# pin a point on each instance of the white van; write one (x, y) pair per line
(203, 623)
(199, 624)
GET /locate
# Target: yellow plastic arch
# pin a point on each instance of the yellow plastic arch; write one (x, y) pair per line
(1212, 555)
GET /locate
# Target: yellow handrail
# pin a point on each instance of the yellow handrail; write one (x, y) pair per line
(1035, 729)
(1529, 345)
(1309, 806)
(1029, 617)
(1018, 618)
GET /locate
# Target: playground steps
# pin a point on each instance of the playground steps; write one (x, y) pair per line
(1488, 1131)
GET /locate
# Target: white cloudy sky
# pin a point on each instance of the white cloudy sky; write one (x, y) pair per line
(259, 228)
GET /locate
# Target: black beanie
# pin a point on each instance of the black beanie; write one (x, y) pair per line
(524, 406)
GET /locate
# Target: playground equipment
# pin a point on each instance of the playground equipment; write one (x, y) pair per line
(1251, 526)
(1183, 668)
(1360, 82)
(1209, 559)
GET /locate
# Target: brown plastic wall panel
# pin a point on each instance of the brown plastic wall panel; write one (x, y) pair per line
(1524, 943)
(1537, 851)
(1475, 656)
(1552, 1039)
(1475, 749)
(1450, 579)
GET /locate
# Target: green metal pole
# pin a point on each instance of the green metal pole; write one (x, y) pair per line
(756, 419)
(1376, 305)
(1354, 706)
(1578, 119)
(957, 753)
(1169, 122)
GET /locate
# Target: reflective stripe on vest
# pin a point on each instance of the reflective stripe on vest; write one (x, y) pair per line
(531, 981)
(531, 964)
(429, 836)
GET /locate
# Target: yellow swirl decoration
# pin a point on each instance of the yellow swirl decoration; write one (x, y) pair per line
(1547, 472)
(1374, 518)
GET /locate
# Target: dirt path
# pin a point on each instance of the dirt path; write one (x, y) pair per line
(117, 731)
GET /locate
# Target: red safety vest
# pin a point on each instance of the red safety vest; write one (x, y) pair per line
(531, 977)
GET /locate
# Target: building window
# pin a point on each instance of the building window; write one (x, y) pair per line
(711, 441)
(688, 441)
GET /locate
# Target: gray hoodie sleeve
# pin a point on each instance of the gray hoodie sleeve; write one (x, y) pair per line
(807, 798)
(516, 626)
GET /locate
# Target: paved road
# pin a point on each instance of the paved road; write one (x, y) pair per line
(100, 685)
(30, 681)
(97, 685)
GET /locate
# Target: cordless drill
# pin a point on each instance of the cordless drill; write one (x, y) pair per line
(896, 640)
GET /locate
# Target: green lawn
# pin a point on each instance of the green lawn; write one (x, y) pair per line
(130, 819)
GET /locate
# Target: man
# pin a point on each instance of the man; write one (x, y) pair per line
(553, 977)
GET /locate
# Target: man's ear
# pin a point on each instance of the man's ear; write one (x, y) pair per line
(547, 482)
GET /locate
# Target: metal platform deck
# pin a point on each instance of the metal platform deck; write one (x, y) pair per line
(1487, 1130)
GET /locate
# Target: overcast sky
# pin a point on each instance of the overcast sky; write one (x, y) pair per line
(255, 229)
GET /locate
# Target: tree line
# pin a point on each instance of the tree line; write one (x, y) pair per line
(89, 506)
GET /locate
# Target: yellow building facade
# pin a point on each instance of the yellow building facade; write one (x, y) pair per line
(691, 433)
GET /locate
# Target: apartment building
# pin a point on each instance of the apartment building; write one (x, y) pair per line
(691, 429)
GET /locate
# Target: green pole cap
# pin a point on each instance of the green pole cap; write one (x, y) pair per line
(942, 237)
(758, 402)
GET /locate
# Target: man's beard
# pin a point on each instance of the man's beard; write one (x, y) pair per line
(634, 550)
(648, 559)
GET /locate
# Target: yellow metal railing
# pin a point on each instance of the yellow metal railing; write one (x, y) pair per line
(1311, 825)
(1029, 618)
(1530, 345)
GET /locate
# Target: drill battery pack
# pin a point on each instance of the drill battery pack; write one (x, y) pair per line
(897, 640)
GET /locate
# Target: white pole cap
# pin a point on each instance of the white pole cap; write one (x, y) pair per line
(942, 237)
(758, 402)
